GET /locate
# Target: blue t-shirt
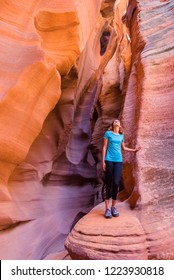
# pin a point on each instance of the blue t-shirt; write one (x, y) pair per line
(113, 152)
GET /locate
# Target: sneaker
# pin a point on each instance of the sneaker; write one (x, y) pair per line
(108, 213)
(114, 211)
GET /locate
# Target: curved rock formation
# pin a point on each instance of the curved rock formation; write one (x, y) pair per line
(22, 114)
(68, 68)
(32, 134)
(146, 118)
(97, 238)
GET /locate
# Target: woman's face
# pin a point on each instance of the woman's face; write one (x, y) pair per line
(116, 123)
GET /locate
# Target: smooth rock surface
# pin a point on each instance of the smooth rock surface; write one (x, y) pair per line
(147, 116)
(97, 238)
(68, 68)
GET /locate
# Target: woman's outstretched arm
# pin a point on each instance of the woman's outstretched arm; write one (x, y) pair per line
(129, 149)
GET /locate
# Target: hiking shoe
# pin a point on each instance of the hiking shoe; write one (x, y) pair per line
(114, 211)
(108, 213)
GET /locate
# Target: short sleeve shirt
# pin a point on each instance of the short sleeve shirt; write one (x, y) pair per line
(113, 152)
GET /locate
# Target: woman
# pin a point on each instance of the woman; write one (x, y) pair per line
(112, 164)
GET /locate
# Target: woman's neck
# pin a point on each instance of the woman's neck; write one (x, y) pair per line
(116, 130)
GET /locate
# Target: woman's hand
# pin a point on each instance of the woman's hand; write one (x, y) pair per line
(104, 166)
(137, 149)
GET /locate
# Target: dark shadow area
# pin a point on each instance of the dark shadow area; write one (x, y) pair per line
(104, 40)
(77, 218)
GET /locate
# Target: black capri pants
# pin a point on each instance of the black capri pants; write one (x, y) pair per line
(113, 176)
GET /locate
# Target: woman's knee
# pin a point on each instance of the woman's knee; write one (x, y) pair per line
(116, 183)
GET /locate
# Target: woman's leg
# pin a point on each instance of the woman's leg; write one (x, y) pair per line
(116, 181)
(107, 203)
(109, 175)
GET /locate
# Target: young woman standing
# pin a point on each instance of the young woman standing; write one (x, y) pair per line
(112, 164)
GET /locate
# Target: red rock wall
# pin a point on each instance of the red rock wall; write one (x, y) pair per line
(154, 170)
(66, 71)
(40, 41)
(146, 63)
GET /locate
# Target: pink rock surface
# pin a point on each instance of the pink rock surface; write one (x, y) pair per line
(95, 237)
(147, 121)
(33, 135)
(67, 71)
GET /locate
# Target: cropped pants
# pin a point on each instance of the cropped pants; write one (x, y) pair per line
(113, 176)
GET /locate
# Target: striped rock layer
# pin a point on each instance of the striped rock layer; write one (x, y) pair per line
(68, 68)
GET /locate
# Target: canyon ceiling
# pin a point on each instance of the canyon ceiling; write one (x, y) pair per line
(68, 68)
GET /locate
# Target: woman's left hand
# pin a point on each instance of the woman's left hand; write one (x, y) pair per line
(137, 149)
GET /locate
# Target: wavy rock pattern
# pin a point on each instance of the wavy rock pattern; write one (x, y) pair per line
(146, 118)
(97, 238)
(26, 118)
(67, 71)
(58, 31)
(34, 135)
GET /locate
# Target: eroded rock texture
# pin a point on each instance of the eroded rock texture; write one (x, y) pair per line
(67, 69)
(41, 40)
(148, 59)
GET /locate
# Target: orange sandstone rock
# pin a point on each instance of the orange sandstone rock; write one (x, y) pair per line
(114, 64)
(22, 113)
(32, 60)
(147, 121)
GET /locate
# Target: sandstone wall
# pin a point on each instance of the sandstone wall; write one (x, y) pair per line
(146, 64)
(41, 44)
(68, 68)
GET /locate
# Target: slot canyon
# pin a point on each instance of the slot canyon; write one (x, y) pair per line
(68, 69)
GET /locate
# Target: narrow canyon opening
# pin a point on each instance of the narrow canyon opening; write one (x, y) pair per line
(69, 68)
